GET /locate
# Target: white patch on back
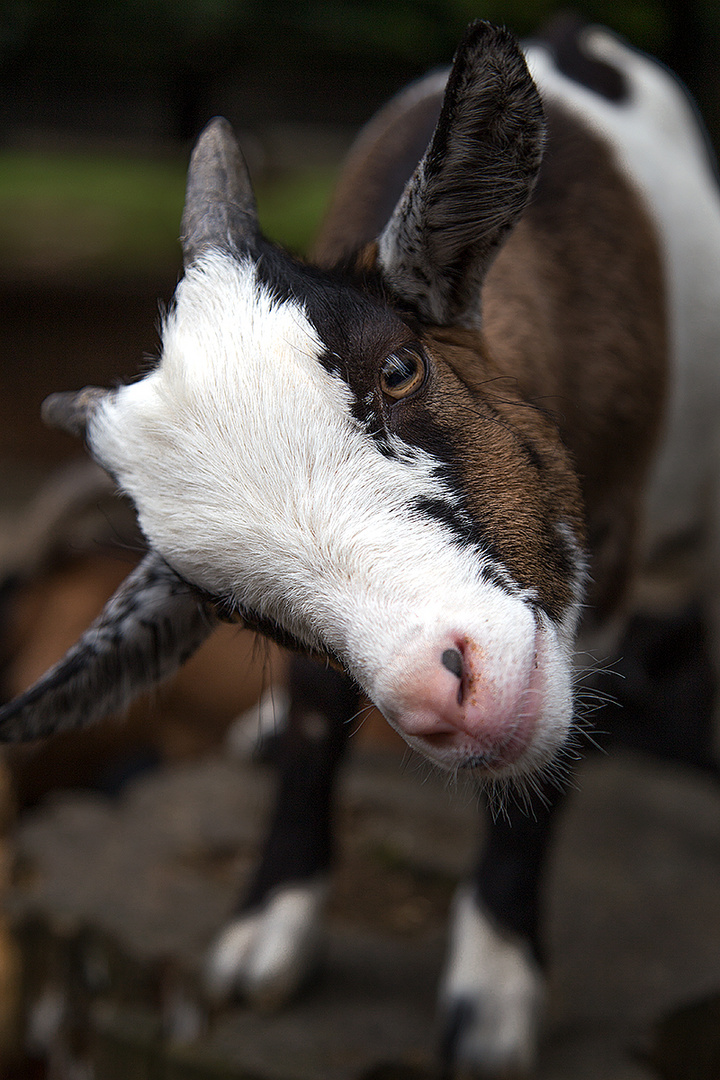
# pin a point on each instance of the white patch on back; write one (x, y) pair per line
(656, 138)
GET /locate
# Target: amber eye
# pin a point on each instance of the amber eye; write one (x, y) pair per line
(403, 372)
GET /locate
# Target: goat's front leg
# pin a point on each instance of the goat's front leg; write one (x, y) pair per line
(492, 989)
(271, 947)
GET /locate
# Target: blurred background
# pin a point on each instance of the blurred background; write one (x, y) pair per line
(99, 104)
(100, 101)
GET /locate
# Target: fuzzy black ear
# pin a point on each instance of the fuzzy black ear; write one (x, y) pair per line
(472, 184)
(152, 624)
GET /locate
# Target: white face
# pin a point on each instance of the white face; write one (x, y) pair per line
(254, 479)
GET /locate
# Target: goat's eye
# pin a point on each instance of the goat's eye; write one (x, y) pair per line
(403, 372)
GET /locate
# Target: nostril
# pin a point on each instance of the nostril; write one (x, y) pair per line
(453, 661)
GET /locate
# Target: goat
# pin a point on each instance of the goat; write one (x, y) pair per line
(445, 457)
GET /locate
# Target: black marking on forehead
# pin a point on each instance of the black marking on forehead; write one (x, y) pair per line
(563, 37)
(346, 309)
(355, 324)
(358, 330)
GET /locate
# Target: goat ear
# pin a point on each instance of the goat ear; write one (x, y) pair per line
(220, 209)
(472, 184)
(152, 624)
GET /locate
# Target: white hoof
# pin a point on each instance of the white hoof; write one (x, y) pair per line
(267, 955)
(490, 997)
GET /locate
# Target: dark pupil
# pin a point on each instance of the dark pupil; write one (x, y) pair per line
(399, 370)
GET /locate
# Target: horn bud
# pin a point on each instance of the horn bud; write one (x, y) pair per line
(71, 411)
(220, 210)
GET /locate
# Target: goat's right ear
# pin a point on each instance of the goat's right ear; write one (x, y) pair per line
(152, 624)
(472, 184)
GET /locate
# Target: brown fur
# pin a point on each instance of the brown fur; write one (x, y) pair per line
(574, 309)
(568, 371)
(519, 479)
(375, 173)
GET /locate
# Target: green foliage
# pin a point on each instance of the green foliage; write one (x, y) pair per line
(82, 215)
(119, 214)
(291, 208)
(87, 214)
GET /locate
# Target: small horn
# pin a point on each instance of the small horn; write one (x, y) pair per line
(151, 626)
(220, 210)
(72, 411)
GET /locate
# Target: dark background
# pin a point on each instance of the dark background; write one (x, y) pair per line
(156, 70)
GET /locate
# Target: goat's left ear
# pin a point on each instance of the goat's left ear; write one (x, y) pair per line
(152, 624)
(472, 184)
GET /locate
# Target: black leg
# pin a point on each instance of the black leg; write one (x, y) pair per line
(299, 845)
(509, 872)
(492, 988)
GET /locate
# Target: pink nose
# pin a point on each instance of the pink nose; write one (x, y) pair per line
(463, 703)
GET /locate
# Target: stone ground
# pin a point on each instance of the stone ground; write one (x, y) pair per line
(116, 900)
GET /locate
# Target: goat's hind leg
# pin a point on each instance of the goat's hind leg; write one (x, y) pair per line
(268, 951)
